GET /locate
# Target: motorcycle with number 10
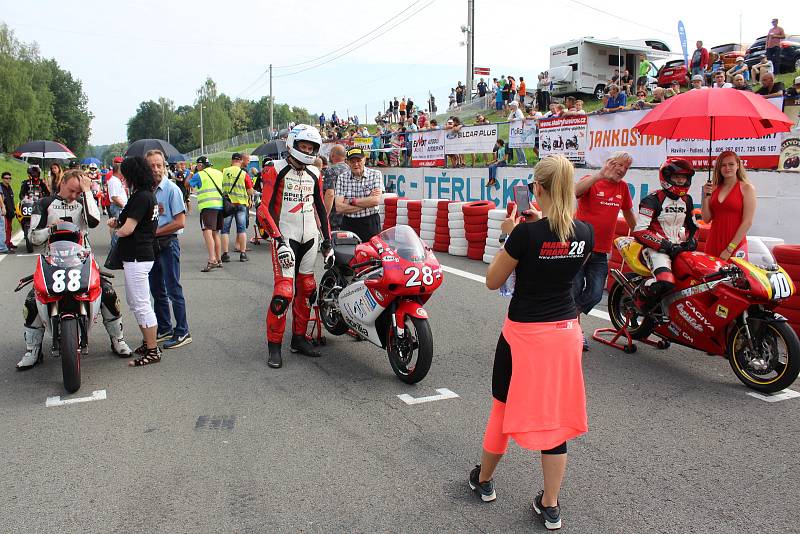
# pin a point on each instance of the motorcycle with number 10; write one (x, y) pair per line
(719, 307)
(378, 290)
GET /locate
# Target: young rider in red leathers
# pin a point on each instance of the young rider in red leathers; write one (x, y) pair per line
(666, 227)
(293, 213)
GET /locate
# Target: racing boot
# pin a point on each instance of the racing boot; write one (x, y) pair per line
(33, 348)
(118, 345)
(275, 361)
(303, 346)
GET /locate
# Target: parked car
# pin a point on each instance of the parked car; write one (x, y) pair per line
(790, 53)
(727, 54)
(671, 71)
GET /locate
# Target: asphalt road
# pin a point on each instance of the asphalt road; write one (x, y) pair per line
(212, 440)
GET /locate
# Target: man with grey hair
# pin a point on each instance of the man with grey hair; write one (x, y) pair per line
(330, 175)
(601, 196)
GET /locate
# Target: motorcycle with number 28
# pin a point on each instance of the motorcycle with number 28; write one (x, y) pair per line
(725, 308)
(378, 289)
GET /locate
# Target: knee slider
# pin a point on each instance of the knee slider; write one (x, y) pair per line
(109, 298)
(279, 305)
(30, 312)
(282, 296)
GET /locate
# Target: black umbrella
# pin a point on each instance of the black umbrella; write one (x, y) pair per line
(177, 158)
(140, 148)
(274, 149)
(43, 149)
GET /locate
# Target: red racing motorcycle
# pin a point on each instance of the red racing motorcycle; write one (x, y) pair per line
(378, 290)
(724, 308)
(67, 288)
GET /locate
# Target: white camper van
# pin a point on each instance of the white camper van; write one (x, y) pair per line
(585, 65)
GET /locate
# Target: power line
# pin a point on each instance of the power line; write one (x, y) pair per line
(397, 23)
(378, 27)
(260, 76)
(629, 21)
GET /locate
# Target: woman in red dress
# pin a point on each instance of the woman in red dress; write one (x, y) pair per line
(730, 202)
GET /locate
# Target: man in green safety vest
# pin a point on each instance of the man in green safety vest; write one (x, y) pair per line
(236, 182)
(207, 182)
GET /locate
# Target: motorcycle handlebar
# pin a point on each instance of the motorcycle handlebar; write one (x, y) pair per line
(372, 261)
(24, 282)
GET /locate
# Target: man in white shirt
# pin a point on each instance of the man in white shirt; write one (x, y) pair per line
(517, 115)
(116, 194)
(719, 81)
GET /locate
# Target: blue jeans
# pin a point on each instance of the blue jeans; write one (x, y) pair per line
(519, 153)
(165, 286)
(241, 221)
(493, 169)
(3, 247)
(587, 289)
(113, 213)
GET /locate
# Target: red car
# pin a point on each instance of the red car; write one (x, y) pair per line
(671, 71)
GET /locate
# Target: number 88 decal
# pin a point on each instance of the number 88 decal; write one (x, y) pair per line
(72, 282)
(414, 276)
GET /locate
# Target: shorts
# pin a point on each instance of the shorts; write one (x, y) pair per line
(241, 220)
(498, 105)
(211, 219)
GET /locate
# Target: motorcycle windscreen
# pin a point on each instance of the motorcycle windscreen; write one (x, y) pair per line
(405, 242)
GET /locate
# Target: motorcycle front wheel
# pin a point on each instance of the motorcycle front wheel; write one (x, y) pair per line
(411, 355)
(621, 306)
(773, 363)
(68, 345)
(28, 244)
(328, 309)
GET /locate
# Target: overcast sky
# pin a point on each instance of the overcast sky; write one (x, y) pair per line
(127, 51)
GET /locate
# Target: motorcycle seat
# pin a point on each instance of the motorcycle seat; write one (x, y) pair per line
(344, 253)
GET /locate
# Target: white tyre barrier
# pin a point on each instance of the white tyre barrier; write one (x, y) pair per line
(459, 242)
(458, 232)
(428, 226)
(457, 251)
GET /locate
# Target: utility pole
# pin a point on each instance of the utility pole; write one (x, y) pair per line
(271, 102)
(470, 31)
(366, 114)
(202, 140)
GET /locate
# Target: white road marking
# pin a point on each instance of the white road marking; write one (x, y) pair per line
(56, 401)
(786, 394)
(443, 393)
(25, 255)
(482, 279)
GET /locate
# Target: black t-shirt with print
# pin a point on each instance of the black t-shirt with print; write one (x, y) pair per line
(546, 269)
(138, 246)
(776, 87)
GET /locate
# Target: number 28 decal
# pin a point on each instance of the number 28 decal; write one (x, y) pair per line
(414, 276)
(66, 280)
(781, 288)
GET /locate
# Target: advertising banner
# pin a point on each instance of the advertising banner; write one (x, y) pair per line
(427, 148)
(364, 143)
(614, 132)
(565, 136)
(790, 145)
(522, 134)
(471, 140)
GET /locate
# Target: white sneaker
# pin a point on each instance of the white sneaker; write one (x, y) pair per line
(120, 348)
(29, 360)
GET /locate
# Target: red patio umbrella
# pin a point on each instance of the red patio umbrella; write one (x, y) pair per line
(714, 114)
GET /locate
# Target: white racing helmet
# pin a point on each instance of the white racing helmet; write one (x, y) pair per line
(304, 132)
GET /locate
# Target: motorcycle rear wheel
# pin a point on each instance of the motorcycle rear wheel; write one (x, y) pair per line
(776, 363)
(417, 341)
(620, 304)
(329, 312)
(68, 345)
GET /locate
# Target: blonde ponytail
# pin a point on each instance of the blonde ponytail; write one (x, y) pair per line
(556, 175)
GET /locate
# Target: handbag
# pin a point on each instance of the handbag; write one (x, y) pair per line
(113, 260)
(228, 207)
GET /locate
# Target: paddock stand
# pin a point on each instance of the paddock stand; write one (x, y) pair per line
(314, 328)
(628, 347)
(256, 239)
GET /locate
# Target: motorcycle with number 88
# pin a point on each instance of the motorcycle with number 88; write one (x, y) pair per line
(377, 290)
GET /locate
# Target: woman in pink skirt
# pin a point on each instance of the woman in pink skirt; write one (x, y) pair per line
(542, 403)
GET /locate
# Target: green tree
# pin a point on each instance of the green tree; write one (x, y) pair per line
(70, 109)
(112, 151)
(146, 123)
(241, 113)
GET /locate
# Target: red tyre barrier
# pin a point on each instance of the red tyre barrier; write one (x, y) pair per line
(477, 208)
(475, 254)
(439, 247)
(475, 228)
(789, 254)
(792, 303)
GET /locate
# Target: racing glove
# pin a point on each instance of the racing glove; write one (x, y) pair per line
(689, 245)
(285, 253)
(327, 253)
(669, 248)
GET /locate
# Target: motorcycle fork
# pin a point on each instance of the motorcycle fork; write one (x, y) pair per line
(55, 322)
(747, 331)
(399, 332)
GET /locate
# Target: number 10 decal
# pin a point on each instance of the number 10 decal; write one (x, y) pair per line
(414, 276)
(780, 286)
